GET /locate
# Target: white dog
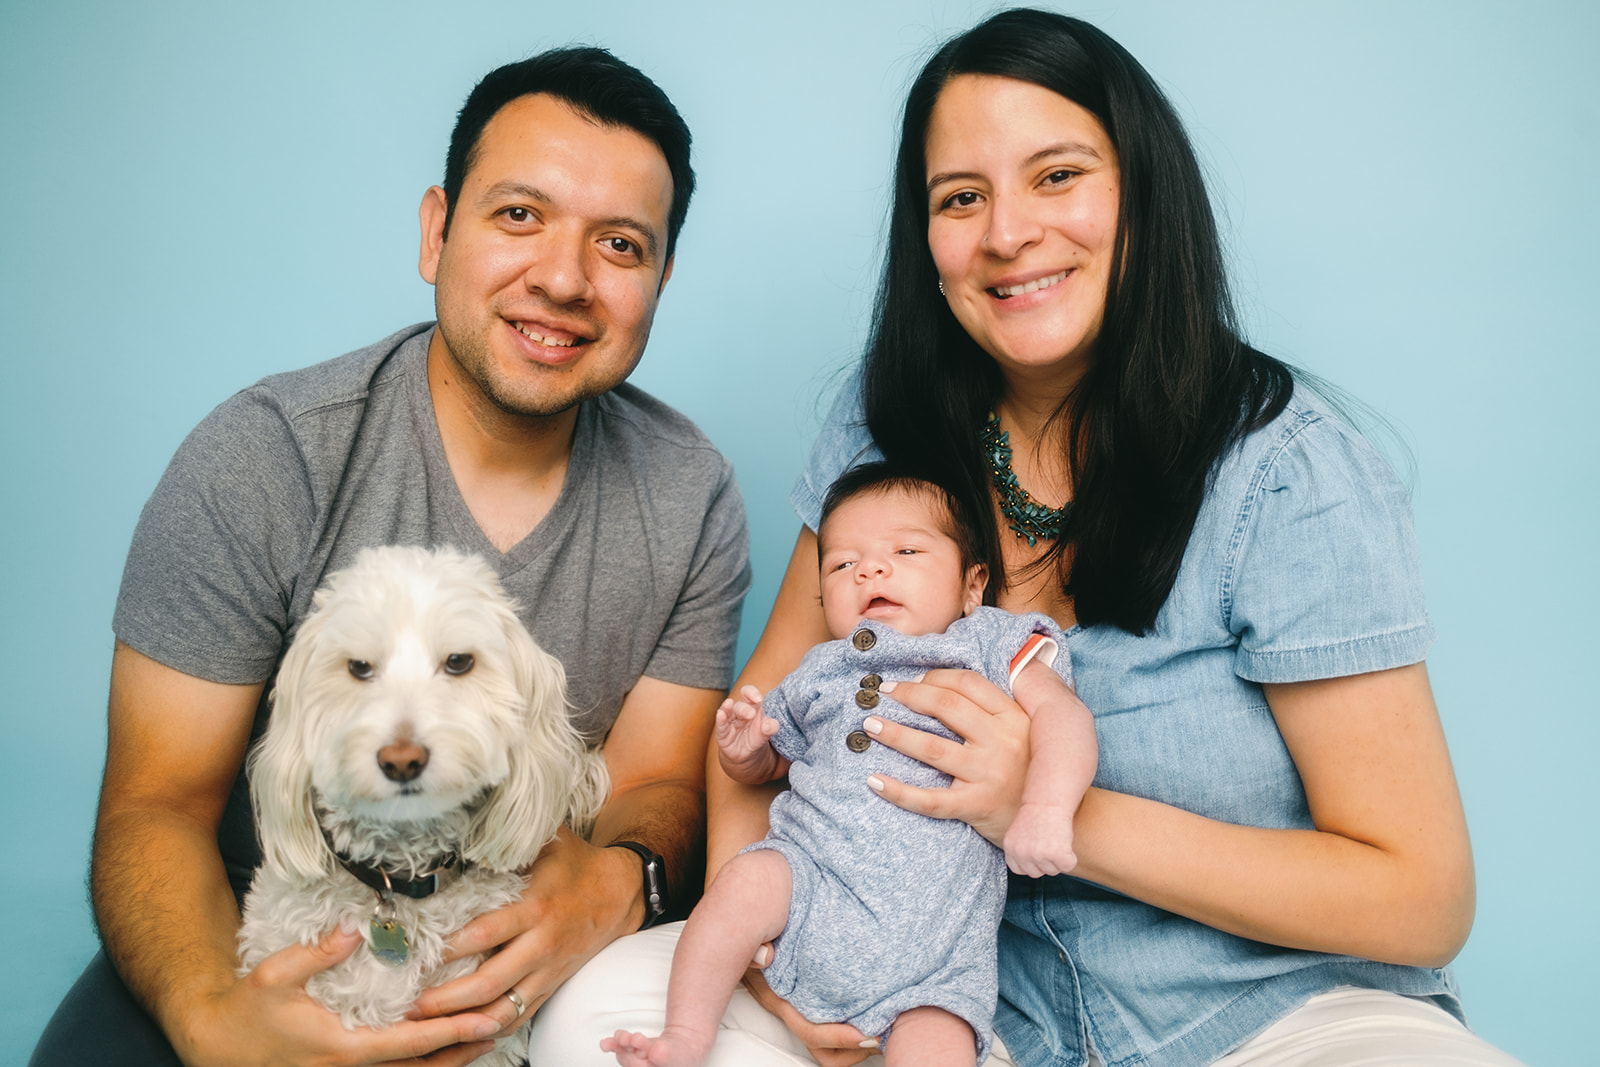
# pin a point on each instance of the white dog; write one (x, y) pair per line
(417, 759)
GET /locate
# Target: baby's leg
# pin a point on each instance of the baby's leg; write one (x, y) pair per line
(747, 906)
(930, 1037)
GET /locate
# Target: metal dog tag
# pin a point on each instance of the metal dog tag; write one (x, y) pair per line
(389, 941)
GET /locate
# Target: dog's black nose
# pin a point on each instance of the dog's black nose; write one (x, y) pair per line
(402, 761)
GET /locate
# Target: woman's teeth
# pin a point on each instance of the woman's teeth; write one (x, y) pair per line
(1034, 286)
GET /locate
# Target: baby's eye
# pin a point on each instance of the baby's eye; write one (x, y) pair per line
(845, 564)
(907, 551)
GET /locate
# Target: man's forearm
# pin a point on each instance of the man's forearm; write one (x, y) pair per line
(165, 911)
(668, 818)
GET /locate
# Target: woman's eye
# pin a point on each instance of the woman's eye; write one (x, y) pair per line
(458, 663)
(360, 669)
(1060, 177)
(965, 198)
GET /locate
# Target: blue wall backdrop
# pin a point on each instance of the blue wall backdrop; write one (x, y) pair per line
(198, 194)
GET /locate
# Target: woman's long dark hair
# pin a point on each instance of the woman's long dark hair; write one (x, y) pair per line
(1170, 383)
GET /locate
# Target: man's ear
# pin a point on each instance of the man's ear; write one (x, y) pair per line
(435, 209)
(977, 579)
(665, 275)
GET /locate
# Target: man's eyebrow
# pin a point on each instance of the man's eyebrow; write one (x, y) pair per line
(1064, 148)
(515, 190)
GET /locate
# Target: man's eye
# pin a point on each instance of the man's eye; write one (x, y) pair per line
(622, 246)
(361, 669)
(518, 214)
(458, 663)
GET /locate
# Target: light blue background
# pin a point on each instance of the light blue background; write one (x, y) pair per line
(198, 194)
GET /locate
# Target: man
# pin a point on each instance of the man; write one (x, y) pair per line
(504, 429)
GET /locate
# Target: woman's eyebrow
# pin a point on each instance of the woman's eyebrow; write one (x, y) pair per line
(1064, 148)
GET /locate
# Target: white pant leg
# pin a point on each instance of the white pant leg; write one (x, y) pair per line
(1369, 1027)
(625, 988)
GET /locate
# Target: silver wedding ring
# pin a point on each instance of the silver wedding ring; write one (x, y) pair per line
(517, 1001)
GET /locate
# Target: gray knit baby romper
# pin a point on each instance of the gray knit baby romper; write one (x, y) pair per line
(891, 910)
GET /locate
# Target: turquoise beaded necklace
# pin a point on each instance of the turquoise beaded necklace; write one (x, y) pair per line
(1029, 518)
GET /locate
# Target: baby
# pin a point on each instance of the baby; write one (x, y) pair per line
(882, 918)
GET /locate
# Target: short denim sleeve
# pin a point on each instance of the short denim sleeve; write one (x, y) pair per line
(1324, 579)
(842, 443)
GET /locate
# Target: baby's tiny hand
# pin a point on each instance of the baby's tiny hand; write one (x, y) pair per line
(1040, 841)
(742, 731)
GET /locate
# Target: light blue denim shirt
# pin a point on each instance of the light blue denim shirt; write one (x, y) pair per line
(1302, 565)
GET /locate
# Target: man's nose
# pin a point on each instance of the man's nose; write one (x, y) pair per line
(560, 270)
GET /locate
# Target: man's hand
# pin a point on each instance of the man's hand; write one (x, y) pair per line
(744, 739)
(579, 899)
(266, 1017)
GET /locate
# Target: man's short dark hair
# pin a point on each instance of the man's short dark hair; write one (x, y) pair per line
(597, 85)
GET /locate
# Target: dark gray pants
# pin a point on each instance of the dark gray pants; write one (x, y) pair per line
(99, 1023)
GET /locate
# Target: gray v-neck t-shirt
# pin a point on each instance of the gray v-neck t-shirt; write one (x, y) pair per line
(639, 568)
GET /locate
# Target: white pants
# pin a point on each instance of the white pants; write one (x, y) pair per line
(624, 988)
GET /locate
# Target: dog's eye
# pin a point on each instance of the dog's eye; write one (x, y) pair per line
(360, 668)
(458, 663)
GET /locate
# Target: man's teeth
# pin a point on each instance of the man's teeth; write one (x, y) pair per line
(553, 342)
(1029, 287)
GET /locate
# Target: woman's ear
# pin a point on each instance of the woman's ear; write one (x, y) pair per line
(977, 579)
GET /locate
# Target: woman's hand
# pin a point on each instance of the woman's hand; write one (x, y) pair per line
(830, 1044)
(989, 770)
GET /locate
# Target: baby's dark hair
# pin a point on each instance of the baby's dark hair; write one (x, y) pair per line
(881, 477)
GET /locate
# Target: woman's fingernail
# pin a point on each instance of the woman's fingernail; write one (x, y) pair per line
(870, 1042)
(872, 726)
(485, 1028)
(763, 956)
(886, 687)
(876, 783)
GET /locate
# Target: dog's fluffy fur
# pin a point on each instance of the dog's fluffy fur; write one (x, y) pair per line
(504, 769)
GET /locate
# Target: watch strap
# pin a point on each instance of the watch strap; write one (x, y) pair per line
(655, 883)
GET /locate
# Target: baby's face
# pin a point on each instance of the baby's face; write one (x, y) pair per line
(886, 557)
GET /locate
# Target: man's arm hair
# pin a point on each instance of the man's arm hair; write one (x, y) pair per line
(656, 756)
(161, 896)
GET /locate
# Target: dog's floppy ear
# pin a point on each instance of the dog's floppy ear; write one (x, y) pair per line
(552, 775)
(280, 772)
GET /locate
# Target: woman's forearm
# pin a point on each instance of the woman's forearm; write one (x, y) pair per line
(736, 814)
(1387, 873)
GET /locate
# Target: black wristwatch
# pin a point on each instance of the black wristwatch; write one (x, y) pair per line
(655, 883)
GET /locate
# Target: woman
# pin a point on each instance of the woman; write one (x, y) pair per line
(1276, 839)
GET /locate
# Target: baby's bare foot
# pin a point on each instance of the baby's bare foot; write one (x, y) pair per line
(675, 1047)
